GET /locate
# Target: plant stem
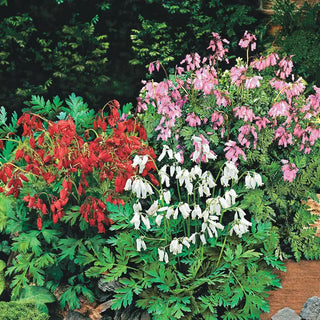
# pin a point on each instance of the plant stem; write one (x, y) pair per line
(222, 249)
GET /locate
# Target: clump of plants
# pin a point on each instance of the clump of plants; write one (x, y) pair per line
(18, 311)
(61, 164)
(190, 228)
(192, 248)
(256, 114)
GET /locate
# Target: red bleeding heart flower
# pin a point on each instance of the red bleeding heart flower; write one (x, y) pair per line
(68, 170)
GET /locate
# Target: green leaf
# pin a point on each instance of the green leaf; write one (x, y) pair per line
(45, 260)
(3, 115)
(72, 215)
(5, 210)
(122, 298)
(2, 277)
(79, 111)
(7, 152)
(68, 248)
(104, 263)
(26, 241)
(50, 235)
(38, 296)
(84, 258)
(250, 254)
(62, 116)
(127, 107)
(71, 296)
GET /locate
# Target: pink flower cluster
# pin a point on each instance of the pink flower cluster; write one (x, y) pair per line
(193, 61)
(265, 62)
(217, 120)
(253, 82)
(206, 80)
(289, 170)
(151, 66)
(290, 116)
(238, 75)
(286, 66)
(248, 39)
(232, 151)
(193, 120)
(244, 135)
(244, 113)
(167, 100)
(202, 150)
(216, 45)
(281, 108)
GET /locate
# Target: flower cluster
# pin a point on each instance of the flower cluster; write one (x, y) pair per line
(201, 205)
(66, 166)
(237, 112)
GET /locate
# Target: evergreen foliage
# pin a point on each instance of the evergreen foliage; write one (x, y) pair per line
(299, 36)
(51, 49)
(171, 28)
(58, 47)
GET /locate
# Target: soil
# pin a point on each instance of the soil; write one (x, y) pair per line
(300, 282)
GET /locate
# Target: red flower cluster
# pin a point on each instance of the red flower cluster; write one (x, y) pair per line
(73, 166)
(36, 203)
(12, 179)
(94, 211)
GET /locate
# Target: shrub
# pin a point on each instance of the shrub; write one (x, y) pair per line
(43, 55)
(299, 36)
(168, 29)
(88, 47)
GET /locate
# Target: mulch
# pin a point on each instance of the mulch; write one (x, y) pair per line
(300, 282)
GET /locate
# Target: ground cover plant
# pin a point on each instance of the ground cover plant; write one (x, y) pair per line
(192, 248)
(18, 311)
(57, 175)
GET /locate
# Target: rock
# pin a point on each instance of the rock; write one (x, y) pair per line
(73, 315)
(285, 314)
(311, 309)
(131, 314)
(109, 286)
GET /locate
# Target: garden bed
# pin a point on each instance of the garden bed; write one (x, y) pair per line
(185, 206)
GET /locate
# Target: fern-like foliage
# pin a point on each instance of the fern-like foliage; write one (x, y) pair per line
(57, 109)
(233, 287)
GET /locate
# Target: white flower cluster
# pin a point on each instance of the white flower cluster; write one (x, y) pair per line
(253, 180)
(139, 186)
(197, 184)
(230, 172)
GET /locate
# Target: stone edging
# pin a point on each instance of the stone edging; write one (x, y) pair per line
(310, 311)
